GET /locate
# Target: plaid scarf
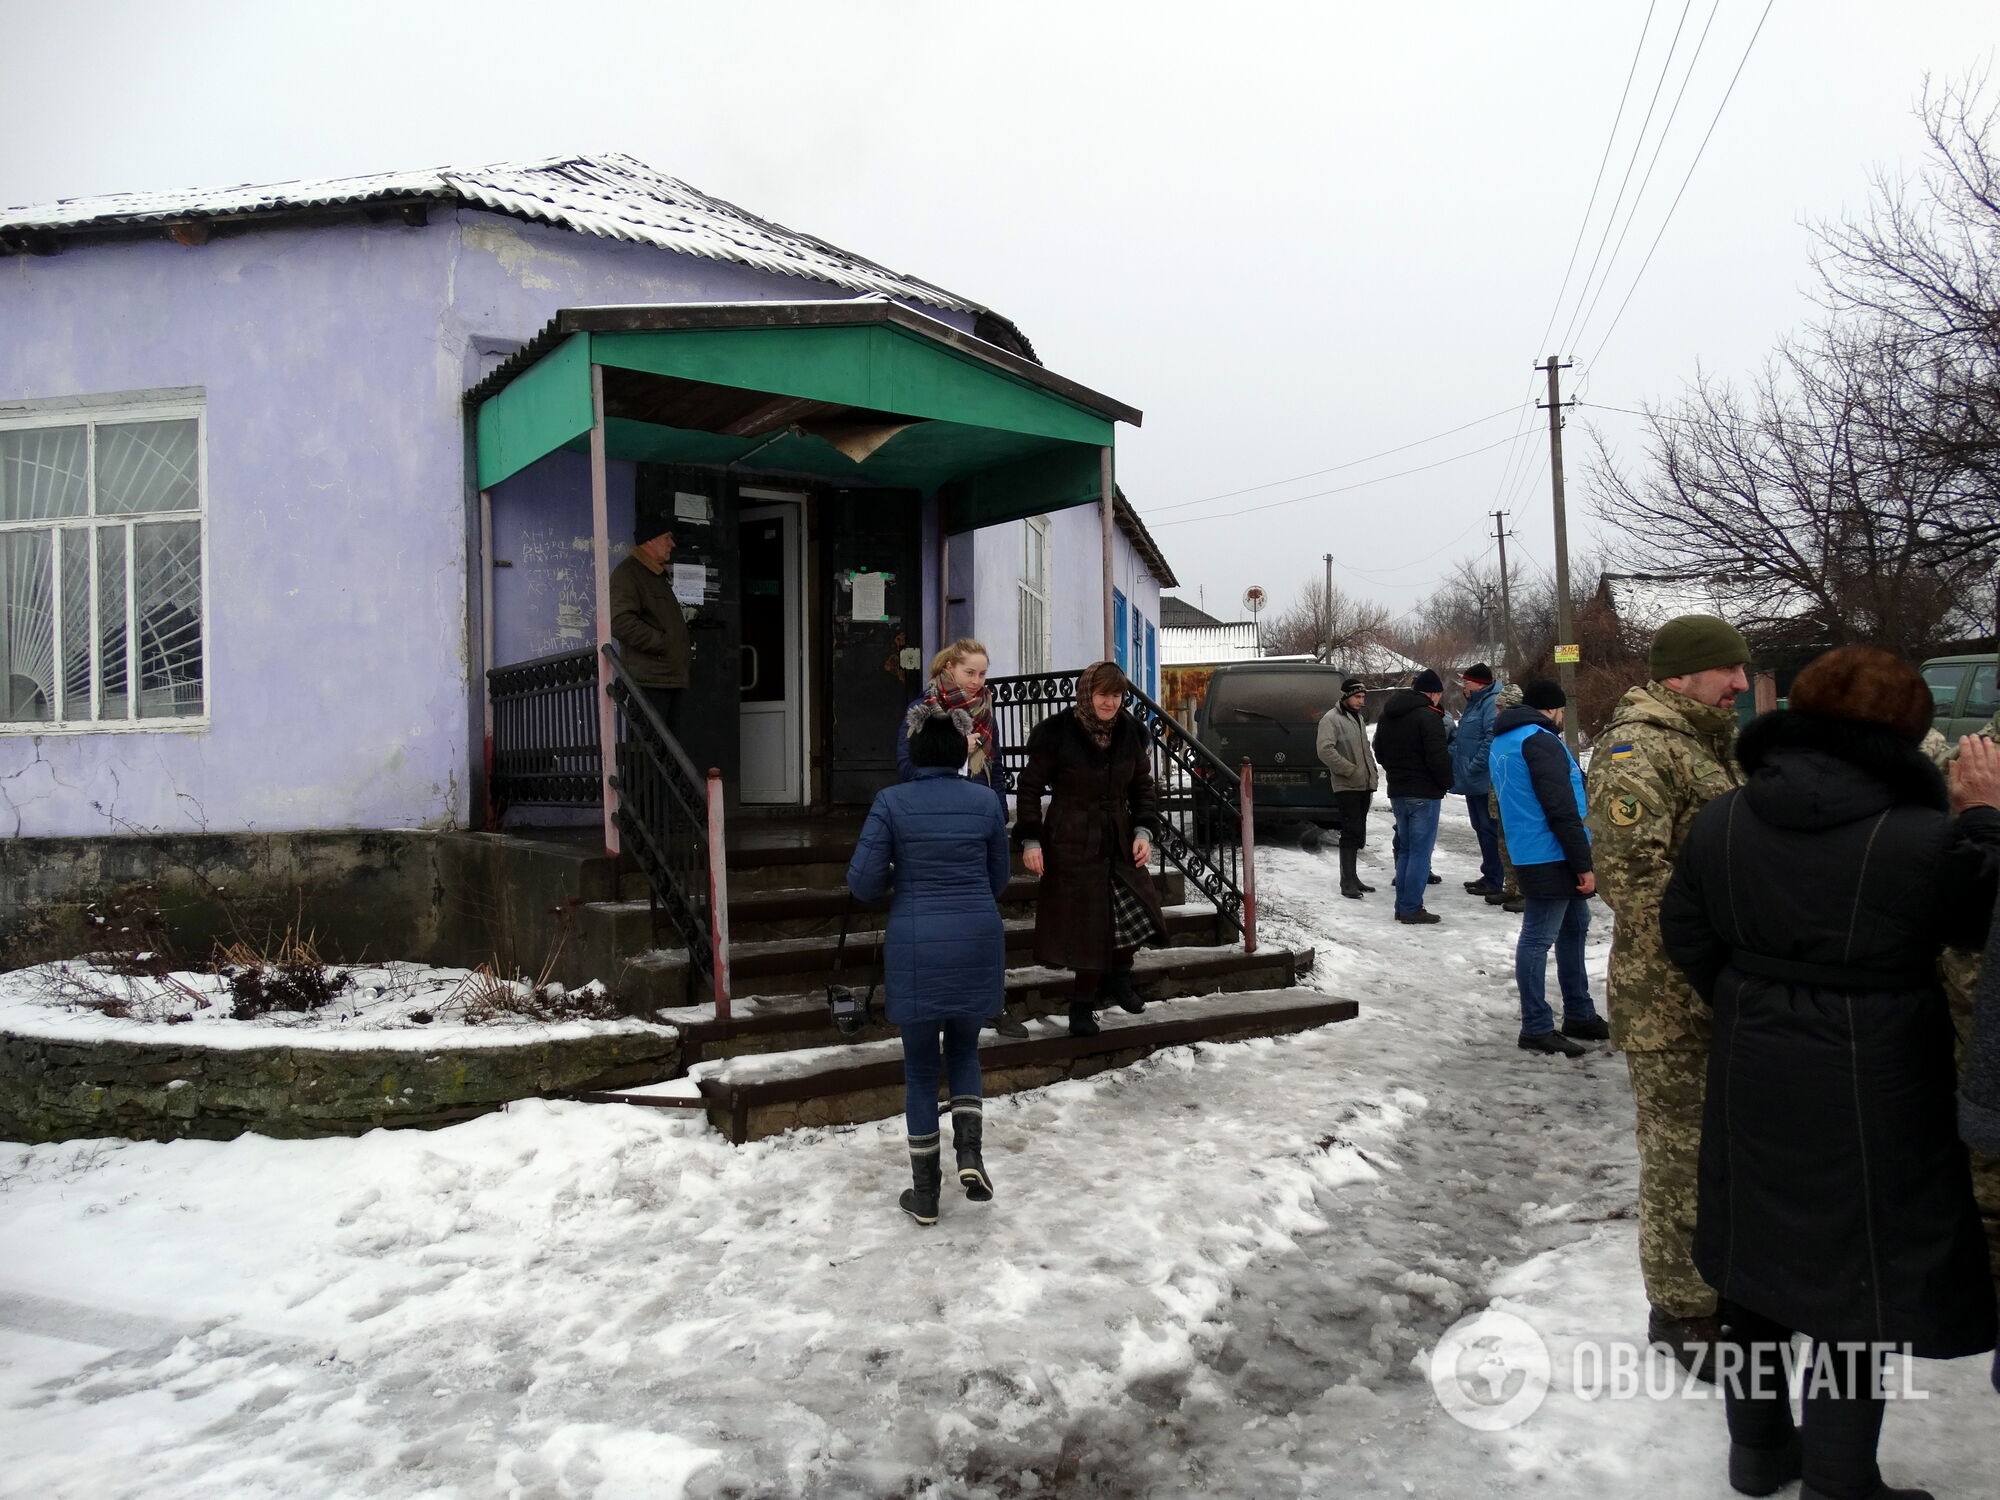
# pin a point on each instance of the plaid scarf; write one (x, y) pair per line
(948, 697)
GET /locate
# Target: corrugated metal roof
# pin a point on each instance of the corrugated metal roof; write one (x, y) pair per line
(1203, 645)
(611, 195)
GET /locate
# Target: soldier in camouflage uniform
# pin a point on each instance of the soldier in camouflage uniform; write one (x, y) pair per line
(1665, 753)
(1959, 969)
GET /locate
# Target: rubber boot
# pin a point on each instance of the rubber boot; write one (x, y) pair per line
(968, 1126)
(1350, 872)
(920, 1199)
(1764, 1471)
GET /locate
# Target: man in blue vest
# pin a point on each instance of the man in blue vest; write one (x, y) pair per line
(1542, 813)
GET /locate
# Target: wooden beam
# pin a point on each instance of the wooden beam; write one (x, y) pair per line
(600, 567)
(1108, 523)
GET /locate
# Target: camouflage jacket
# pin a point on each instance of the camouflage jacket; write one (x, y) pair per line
(1657, 763)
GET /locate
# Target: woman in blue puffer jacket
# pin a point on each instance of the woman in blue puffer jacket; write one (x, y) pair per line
(940, 842)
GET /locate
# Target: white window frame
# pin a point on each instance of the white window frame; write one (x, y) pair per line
(1033, 603)
(91, 411)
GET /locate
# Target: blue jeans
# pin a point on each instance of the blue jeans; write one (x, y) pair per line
(1564, 922)
(960, 1039)
(1489, 840)
(1416, 836)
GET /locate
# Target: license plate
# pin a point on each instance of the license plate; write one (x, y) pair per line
(1282, 778)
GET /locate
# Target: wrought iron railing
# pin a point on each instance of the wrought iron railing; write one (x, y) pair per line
(545, 732)
(1204, 832)
(668, 818)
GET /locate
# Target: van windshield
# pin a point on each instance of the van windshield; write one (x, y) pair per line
(1263, 697)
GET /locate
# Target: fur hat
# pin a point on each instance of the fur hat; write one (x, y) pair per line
(1868, 684)
(1688, 644)
(923, 711)
(1544, 695)
(1477, 672)
(1428, 681)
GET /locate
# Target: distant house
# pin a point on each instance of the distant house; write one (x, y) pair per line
(286, 471)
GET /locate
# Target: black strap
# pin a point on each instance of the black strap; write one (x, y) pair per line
(1828, 976)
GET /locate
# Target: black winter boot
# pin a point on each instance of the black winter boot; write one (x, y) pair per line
(1350, 873)
(1882, 1492)
(1083, 1017)
(920, 1200)
(1116, 986)
(968, 1126)
(1763, 1471)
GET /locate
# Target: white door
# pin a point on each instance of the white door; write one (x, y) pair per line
(773, 675)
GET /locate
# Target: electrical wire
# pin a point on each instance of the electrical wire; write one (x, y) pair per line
(1154, 510)
(1337, 490)
(1717, 120)
(1419, 562)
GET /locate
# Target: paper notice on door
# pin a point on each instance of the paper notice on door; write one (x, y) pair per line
(871, 596)
(690, 582)
(691, 508)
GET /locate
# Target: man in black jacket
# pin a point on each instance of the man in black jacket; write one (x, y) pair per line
(1542, 811)
(1414, 753)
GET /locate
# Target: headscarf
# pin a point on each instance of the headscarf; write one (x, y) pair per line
(1099, 676)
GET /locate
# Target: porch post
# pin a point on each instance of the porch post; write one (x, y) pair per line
(600, 567)
(486, 647)
(1109, 522)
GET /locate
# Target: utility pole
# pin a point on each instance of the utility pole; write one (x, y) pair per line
(1565, 625)
(1329, 609)
(1500, 534)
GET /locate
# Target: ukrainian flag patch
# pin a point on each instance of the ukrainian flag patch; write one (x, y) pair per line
(1621, 752)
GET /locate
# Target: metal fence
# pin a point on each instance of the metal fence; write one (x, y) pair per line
(545, 731)
(1203, 831)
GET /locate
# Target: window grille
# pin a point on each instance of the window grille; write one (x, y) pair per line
(101, 578)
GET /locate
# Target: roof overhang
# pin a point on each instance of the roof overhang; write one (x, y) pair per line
(863, 391)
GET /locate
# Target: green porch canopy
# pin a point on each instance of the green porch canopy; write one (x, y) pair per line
(864, 392)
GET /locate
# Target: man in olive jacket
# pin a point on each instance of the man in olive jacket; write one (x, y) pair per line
(647, 621)
(1668, 750)
(1342, 746)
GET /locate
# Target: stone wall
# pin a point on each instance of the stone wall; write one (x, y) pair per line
(61, 1090)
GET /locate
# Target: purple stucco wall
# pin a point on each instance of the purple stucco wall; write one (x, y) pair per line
(342, 650)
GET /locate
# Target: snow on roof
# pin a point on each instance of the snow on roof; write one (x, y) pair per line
(1648, 600)
(609, 194)
(1377, 660)
(1207, 645)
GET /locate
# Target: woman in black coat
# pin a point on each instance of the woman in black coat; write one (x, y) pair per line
(1096, 905)
(1808, 908)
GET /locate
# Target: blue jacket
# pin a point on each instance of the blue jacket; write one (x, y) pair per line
(1541, 803)
(906, 769)
(1473, 743)
(941, 842)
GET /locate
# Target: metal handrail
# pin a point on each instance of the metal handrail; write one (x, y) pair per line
(1203, 801)
(669, 819)
(545, 734)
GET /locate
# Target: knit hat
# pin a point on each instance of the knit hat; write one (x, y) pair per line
(646, 527)
(1544, 695)
(1694, 643)
(1477, 672)
(1865, 683)
(1428, 682)
(1352, 686)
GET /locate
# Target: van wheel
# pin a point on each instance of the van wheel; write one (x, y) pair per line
(1310, 838)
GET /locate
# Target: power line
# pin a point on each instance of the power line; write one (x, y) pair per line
(1153, 510)
(1741, 62)
(1338, 490)
(1632, 215)
(1419, 562)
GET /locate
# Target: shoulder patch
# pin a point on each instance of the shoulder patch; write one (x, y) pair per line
(1620, 752)
(1625, 811)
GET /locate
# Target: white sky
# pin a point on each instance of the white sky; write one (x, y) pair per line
(1294, 234)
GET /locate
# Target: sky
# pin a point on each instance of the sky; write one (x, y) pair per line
(1295, 235)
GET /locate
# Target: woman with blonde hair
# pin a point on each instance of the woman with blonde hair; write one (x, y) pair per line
(958, 690)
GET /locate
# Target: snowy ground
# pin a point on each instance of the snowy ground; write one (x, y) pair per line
(1219, 1272)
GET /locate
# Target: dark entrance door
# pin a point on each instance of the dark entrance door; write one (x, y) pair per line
(699, 508)
(874, 596)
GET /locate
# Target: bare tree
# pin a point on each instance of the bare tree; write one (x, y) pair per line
(1314, 623)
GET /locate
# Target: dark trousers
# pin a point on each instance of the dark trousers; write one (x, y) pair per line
(1488, 835)
(1842, 1417)
(958, 1041)
(666, 703)
(1351, 808)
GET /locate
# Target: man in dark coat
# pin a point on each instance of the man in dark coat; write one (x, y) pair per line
(1542, 810)
(1414, 753)
(647, 621)
(1808, 909)
(1096, 905)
